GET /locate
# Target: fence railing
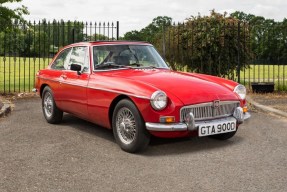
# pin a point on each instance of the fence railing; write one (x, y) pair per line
(265, 73)
(24, 49)
(239, 51)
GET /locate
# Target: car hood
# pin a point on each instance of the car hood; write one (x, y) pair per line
(186, 87)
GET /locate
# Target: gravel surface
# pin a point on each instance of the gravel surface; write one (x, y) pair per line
(79, 156)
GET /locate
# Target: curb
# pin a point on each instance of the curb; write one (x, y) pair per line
(266, 108)
(5, 109)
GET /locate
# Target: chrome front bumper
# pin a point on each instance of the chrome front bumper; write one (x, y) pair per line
(185, 126)
(166, 127)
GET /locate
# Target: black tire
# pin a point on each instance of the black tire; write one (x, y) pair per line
(129, 127)
(51, 112)
(224, 136)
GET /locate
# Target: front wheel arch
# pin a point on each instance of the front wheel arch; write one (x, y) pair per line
(114, 104)
(126, 121)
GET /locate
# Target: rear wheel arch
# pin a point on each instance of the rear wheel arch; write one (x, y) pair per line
(42, 88)
(50, 110)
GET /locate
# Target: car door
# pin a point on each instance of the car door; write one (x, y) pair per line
(54, 77)
(74, 85)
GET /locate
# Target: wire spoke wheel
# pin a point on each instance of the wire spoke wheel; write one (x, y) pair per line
(129, 127)
(51, 112)
(48, 104)
(126, 125)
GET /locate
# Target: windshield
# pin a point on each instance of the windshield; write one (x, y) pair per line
(126, 56)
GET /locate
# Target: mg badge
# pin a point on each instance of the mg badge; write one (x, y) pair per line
(216, 104)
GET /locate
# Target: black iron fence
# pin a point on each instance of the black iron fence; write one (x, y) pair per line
(236, 50)
(24, 49)
(240, 51)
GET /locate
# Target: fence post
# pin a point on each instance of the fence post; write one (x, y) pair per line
(163, 41)
(118, 30)
(238, 53)
(73, 34)
(4, 60)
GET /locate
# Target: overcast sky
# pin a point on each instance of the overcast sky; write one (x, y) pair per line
(137, 14)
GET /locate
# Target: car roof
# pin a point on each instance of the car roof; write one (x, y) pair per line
(89, 43)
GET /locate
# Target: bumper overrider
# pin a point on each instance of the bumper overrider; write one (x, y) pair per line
(191, 125)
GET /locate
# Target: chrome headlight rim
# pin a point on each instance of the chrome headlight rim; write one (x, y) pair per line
(240, 90)
(158, 100)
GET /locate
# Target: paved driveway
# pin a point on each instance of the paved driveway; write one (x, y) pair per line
(79, 156)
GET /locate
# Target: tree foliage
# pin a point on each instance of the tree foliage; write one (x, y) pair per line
(133, 35)
(268, 38)
(8, 15)
(207, 44)
(150, 32)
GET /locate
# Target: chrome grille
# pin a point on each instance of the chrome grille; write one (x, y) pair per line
(210, 110)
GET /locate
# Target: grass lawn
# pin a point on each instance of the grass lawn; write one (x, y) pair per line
(265, 73)
(17, 74)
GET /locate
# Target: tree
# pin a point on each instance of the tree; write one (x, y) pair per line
(150, 32)
(8, 15)
(243, 16)
(133, 35)
(156, 28)
(267, 38)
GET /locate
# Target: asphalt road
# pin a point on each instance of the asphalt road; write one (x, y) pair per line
(79, 156)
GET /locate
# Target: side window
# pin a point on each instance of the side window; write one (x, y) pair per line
(80, 56)
(61, 62)
(100, 56)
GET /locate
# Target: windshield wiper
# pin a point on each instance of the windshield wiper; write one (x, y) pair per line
(142, 65)
(136, 64)
(150, 66)
(109, 64)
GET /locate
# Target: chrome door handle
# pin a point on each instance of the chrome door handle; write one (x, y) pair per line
(64, 76)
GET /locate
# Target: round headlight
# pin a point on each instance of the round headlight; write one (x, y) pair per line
(158, 100)
(241, 91)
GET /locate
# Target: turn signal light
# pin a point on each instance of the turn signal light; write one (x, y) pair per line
(245, 109)
(167, 119)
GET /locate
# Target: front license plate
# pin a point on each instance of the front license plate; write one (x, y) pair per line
(216, 127)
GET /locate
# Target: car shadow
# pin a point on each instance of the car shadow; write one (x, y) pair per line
(87, 127)
(160, 147)
(157, 146)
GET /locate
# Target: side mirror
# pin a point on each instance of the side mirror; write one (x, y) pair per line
(76, 67)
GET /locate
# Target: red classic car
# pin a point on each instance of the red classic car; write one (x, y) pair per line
(128, 87)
